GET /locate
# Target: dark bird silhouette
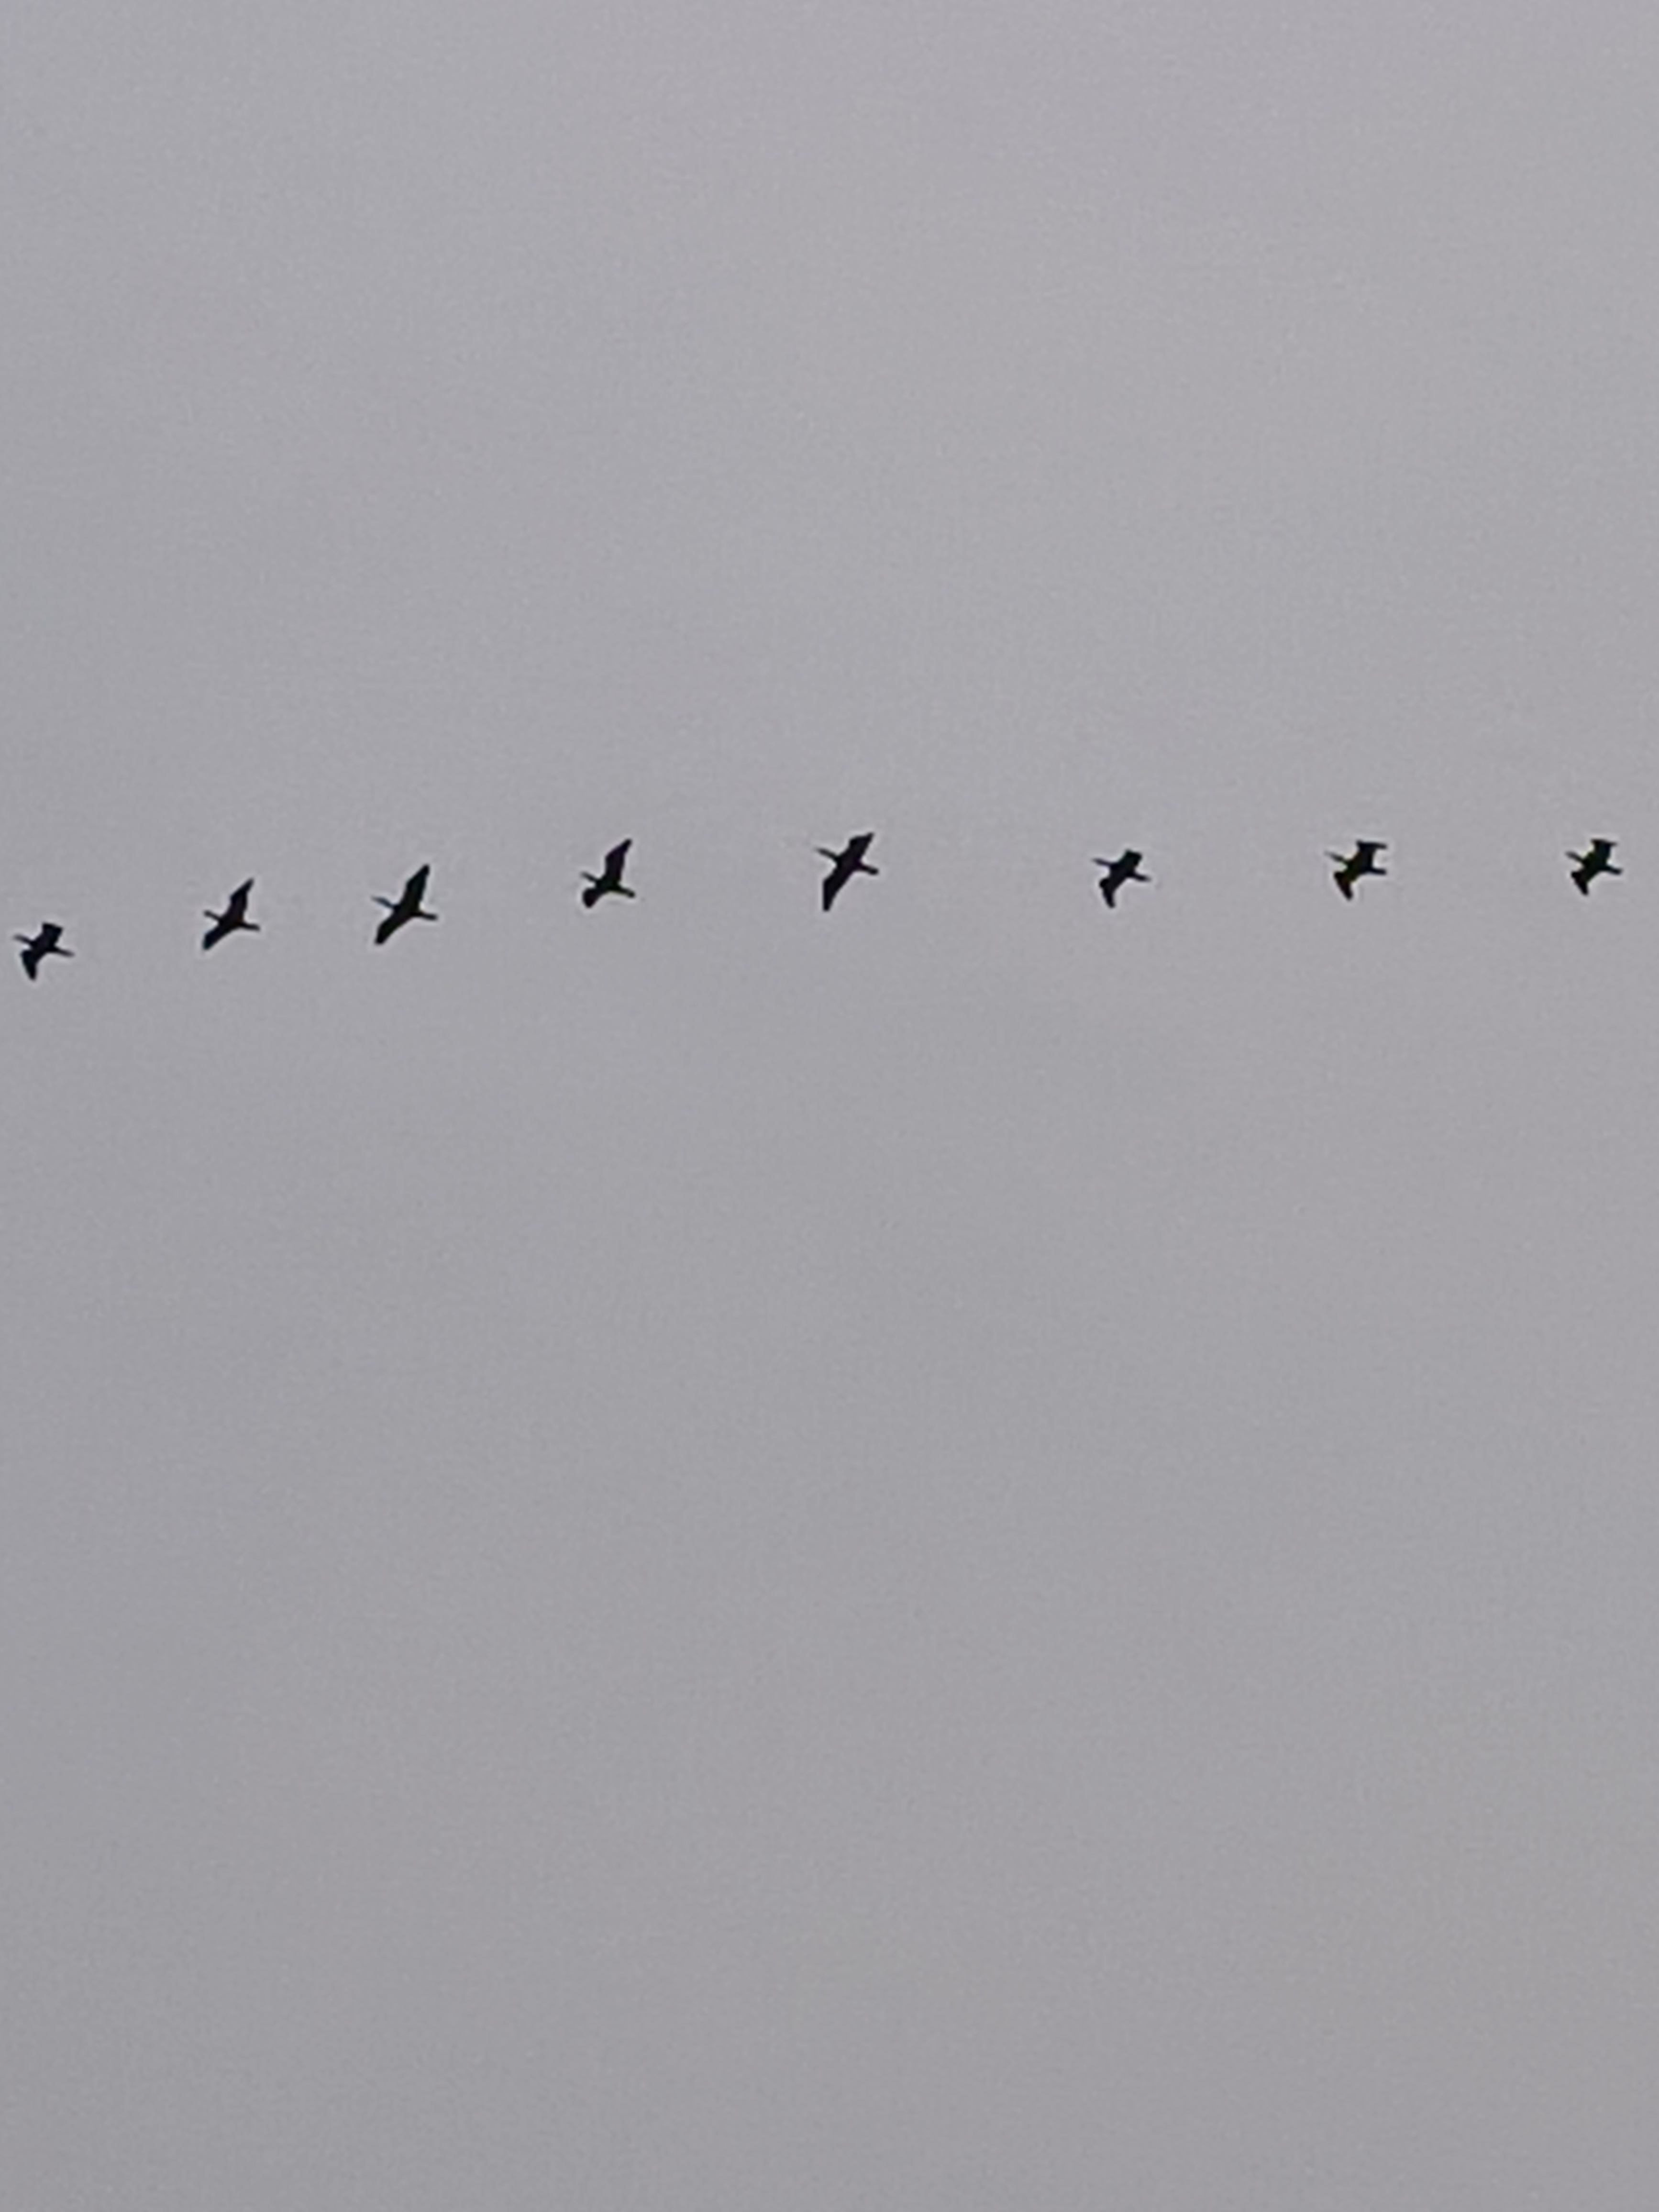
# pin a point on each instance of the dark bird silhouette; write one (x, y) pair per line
(847, 864)
(1361, 861)
(406, 907)
(1598, 861)
(611, 883)
(234, 916)
(1126, 869)
(44, 941)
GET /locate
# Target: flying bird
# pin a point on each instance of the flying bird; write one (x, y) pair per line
(1126, 869)
(234, 916)
(406, 907)
(39, 947)
(847, 864)
(1361, 861)
(1598, 861)
(610, 883)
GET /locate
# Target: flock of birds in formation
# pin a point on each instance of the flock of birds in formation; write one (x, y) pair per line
(853, 860)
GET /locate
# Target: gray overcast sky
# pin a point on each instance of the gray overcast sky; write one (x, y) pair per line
(979, 1555)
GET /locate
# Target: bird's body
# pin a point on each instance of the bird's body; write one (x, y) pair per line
(46, 940)
(609, 883)
(406, 907)
(234, 918)
(1596, 861)
(1126, 869)
(1361, 861)
(847, 864)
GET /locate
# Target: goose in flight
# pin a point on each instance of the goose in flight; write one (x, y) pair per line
(847, 864)
(406, 907)
(39, 947)
(1361, 861)
(234, 916)
(610, 883)
(1598, 861)
(1126, 869)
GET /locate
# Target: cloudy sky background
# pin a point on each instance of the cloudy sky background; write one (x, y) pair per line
(695, 1559)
